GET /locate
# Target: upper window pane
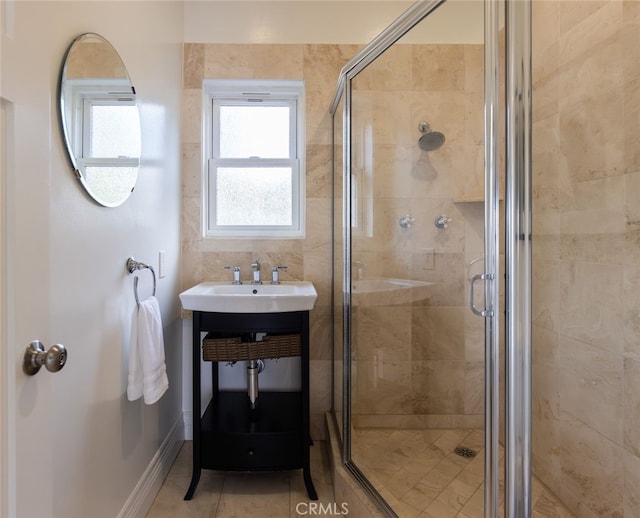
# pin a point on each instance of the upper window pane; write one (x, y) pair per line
(114, 131)
(254, 131)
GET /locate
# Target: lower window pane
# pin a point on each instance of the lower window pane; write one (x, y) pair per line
(110, 184)
(253, 196)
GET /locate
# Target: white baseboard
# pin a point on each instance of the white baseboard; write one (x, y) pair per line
(143, 495)
(188, 425)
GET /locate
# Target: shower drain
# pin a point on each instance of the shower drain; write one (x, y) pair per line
(467, 453)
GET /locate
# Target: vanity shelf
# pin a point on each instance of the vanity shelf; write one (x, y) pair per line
(236, 438)
(232, 436)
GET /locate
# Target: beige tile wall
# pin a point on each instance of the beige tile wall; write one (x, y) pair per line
(586, 334)
(403, 94)
(419, 362)
(308, 258)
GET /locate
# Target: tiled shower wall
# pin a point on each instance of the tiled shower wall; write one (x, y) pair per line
(309, 258)
(418, 361)
(586, 254)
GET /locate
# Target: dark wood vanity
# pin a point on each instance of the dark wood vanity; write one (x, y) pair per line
(232, 436)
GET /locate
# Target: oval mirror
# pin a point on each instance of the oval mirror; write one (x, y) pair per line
(100, 119)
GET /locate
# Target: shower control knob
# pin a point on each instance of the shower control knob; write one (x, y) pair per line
(407, 221)
(36, 356)
(442, 222)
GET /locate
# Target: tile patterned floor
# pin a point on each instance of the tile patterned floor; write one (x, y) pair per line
(415, 470)
(420, 476)
(241, 495)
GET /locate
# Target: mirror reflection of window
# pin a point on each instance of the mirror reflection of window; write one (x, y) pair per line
(112, 130)
(100, 120)
(362, 181)
(113, 183)
(106, 136)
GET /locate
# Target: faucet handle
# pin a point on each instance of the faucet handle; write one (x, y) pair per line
(236, 273)
(255, 266)
(275, 274)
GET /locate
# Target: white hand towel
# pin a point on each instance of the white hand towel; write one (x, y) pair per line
(147, 369)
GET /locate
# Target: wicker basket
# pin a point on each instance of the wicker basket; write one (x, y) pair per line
(231, 349)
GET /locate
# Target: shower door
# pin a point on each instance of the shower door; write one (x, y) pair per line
(416, 269)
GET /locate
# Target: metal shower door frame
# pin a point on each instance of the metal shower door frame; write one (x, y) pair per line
(518, 223)
(491, 274)
(518, 232)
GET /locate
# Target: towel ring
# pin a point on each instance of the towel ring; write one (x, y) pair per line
(132, 266)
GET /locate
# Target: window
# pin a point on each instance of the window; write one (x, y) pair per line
(104, 135)
(111, 129)
(254, 174)
(105, 129)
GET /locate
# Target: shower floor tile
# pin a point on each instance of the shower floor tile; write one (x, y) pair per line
(420, 476)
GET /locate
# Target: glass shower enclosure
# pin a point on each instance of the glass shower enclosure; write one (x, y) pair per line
(418, 265)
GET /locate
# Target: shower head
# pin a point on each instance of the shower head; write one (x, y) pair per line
(430, 140)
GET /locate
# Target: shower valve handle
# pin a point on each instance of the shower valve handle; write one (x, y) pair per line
(407, 221)
(442, 222)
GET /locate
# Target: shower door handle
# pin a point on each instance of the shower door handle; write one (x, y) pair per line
(476, 311)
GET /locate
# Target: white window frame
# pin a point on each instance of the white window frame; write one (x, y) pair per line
(88, 157)
(223, 92)
(86, 93)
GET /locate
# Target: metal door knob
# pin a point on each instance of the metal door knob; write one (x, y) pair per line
(36, 356)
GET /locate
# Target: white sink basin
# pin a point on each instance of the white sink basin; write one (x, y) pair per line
(224, 297)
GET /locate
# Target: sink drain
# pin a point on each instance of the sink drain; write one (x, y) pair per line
(467, 453)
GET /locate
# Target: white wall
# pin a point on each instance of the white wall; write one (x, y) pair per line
(102, 442)
(325, 21)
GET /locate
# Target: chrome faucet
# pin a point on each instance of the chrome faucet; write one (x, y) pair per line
(275, 274)
(236, 274)
(255, 266)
